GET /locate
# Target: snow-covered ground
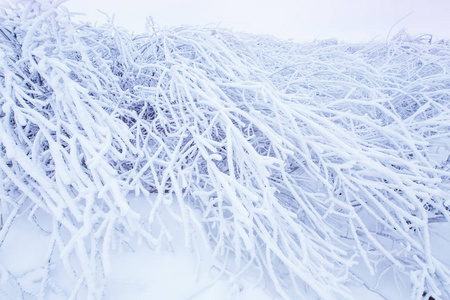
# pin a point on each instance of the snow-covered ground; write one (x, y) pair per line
(141, 273)
(136, 271)
(172, 272)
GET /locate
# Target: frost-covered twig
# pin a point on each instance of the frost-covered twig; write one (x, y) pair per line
(296, 156)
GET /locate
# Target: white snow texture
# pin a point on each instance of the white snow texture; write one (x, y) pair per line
(311, 166)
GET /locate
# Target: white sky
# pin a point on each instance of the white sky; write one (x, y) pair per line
(349, 20)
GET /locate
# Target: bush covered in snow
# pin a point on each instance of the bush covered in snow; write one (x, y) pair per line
(299, 161)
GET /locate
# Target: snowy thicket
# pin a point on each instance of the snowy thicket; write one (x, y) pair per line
(297, 161)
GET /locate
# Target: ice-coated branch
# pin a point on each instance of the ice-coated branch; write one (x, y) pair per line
(296, 160)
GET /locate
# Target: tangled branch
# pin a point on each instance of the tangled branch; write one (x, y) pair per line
(296, 160)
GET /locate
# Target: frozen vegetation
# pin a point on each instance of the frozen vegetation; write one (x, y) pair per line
(312, 167)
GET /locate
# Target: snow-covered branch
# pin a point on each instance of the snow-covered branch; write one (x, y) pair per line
(297, 160)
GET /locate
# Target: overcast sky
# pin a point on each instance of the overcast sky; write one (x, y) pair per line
(349, 20)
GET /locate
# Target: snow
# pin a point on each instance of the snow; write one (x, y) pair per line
(187, 162)
(137, 271)
(22, 255)
(146, 274)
